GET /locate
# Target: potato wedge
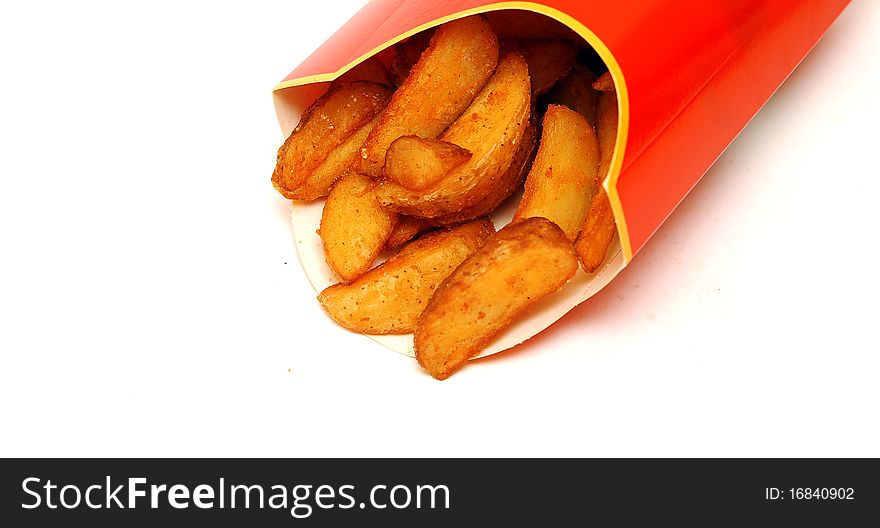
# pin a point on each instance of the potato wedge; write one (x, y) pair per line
(575, 91)
(562, 180)
(325, 125)
(417, 163)
(515, 23)
(354, 227)
(604, 83)
(504, 186)
(599, 227)
(389, 298)
(340, 160)
(442, 83)
(515, 268)
(407, 228)
(371, 70)
(596, 234)
(549, 60)
(492, 129)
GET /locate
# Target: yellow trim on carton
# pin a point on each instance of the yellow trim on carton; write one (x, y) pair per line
(610, 183)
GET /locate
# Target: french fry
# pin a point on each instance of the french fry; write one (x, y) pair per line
(354, 227)
(596, 234)
(371, 70)
(504, 186)
(340, 160)
(417, 163)
(599, 227)
(562, 179)
(492, 129)
(575, 91)
(442, 83)
(518, 266)
(605, 83)
(549, 60)
(389, 298)
(325, 125)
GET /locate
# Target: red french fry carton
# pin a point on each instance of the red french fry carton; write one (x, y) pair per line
(689, 75)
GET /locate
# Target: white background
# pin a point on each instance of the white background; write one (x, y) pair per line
(152, 304)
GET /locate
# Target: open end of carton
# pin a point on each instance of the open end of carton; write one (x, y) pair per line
(293, 96)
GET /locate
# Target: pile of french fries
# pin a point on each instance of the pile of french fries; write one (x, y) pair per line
(413, 153)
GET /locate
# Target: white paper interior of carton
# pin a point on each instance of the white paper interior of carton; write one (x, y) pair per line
(306, 218)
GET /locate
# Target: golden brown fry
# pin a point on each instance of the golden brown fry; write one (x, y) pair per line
(371, 70)
(325, 125)
(515, 268)
(389, 298)
(417, 163)
(504, 186)
(549, 60)
(592, 243)
(576, 91)
(515, 23)
(341, 158)
(604, 83)
(599, 227)
(562, 180)
(407, 228)
(443, 82)
(354, 227)
(492, 129)
(407, 53)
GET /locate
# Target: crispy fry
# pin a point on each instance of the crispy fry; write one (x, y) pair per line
(327, 124)
(576, 91)
(389, 298)
(599, 227)
(417, 163)
(492, 129)
(354, 227)
(504, 186)
(515, 268)
(514, 23)
(340, 160)
(604, 83)
(562, 180)
(549, 60)
(371, 70)
(592, 243)
(443, 82)
(407, 228)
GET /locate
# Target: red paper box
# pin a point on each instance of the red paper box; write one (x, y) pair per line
(690, 74)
